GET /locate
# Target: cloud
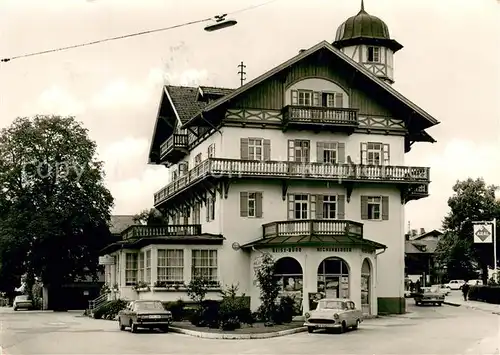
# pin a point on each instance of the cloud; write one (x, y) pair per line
(120, 93)
(55, 100)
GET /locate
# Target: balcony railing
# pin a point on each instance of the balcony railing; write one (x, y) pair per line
(160, 231)
(235, 168)
(320, 115)
(175, 141)
(312, 228)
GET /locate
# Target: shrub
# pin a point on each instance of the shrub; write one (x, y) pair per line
(286, 309)
(234, 309)
(177, 309)
(210, 313)
(269, 289)
(110, 309)
(489, 294)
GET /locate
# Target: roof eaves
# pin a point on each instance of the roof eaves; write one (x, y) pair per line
(300, 56)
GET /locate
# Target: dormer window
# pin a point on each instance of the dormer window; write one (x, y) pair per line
(373, 54)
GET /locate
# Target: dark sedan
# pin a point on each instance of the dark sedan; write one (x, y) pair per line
(144, 314)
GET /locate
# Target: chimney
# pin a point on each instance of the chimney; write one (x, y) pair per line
(413, 233)
(422, 231)
(301, 51)
(407, 236)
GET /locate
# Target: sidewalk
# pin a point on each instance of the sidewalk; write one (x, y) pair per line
(457, 300)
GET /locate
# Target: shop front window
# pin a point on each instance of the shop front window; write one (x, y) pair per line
(333, 278)
(290, 279)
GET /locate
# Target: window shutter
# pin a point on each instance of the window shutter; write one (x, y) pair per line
(385, 154)
(339, 99)
(291, 150)
(341, 153)
(312, 206)
(340, 206)
(209, 202)
(364, 149)
(294, 98)
(244, 149)
(385, 208)
(243, 204)
(267, 149)
(319, 206)
(320, 147)
(316, 98)
(291, 206)
(258, 204)
(364, 207)
(186, 167)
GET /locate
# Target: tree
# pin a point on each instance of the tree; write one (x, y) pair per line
(54, 207)
(151, 217)
(472, 201)
(269, 288)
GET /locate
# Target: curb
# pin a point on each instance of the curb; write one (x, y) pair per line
(207, 335)
(472, 307)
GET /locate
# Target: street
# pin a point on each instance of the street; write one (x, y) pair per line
(424, 330)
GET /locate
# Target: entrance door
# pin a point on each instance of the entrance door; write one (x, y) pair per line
(365, 288)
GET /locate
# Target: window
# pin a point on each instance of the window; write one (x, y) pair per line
(175, 174)
(183, 168)
(373, 54)
(329, 152)
(301, 206)
(197, 159)
(147, 267)
(373, 153)
(141, 267)
(210, 209)
(211, 150)
(130, 269)
(196, 214)
(304, 98)
(251, 204)
(204, 264)
(329, 207)
(255, 151)
(374, 207)
(170, 265)
(298, 151)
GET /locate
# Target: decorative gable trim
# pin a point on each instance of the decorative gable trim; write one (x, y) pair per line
(322, 45)
(173, 106)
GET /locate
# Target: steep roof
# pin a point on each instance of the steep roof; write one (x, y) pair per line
(426, 119)
(119, 223)
(420, 246)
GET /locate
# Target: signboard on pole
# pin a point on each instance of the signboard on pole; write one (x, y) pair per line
(483, 233)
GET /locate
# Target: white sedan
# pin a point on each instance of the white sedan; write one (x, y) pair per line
(334, 313)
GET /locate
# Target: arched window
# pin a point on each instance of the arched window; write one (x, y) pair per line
(290, 278)
(333, 278)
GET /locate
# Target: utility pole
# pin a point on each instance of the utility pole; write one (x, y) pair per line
(242, 73)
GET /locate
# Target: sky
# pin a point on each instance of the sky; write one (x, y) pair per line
(449, 66)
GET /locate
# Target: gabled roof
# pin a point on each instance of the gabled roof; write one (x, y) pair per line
(185, 101)
(434, 231)
(428, 120)
(119, 223)
(420, 246)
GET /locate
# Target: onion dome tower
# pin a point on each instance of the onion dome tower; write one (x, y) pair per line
(365, 38)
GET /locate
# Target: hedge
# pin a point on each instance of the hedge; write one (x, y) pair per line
(489, 294)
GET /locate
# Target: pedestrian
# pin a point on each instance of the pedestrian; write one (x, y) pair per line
(417, 286)
(465, 290)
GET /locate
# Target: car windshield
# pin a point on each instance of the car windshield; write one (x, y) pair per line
(22, 298)
(153, 305)
(331, 305)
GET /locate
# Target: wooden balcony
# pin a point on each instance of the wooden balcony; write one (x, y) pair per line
(216, 168)
(314, 117)
(139, 231)
(313, 228)
(174, 148)
(418, 191)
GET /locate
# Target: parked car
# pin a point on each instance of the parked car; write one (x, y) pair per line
(334, 313)
(475, 282)
(22, 302)
(443, 289)
(144, 314)
(455, 284)
(430, 295)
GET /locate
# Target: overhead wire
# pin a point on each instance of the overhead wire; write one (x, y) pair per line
(135, 34)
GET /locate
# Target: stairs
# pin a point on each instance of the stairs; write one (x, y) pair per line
(97, 303)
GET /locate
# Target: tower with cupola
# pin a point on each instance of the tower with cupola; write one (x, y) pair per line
(365, 38)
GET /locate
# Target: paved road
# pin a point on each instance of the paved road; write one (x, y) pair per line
(425, 330)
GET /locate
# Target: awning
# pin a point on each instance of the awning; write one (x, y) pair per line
(202, 239)
(314, 241)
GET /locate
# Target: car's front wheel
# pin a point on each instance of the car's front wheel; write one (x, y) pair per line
(357, 324)
(122, 327)
(343, 328)
(133, 327)
(310, 329)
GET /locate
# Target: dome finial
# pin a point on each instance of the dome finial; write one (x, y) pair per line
(362, 5)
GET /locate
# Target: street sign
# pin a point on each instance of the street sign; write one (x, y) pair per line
(483, 233)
